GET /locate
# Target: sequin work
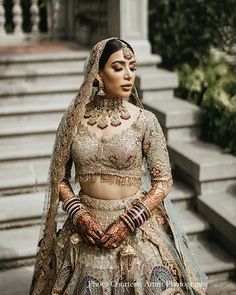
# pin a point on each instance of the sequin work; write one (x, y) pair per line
(118, 158)
(135, 267)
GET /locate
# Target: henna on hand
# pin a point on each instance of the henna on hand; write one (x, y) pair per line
(89, 228)
(115, 234)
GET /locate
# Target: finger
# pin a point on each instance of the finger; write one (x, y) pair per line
(94, 236)
(111, 243)
(99, 232)
(90, 240)
(105, 237)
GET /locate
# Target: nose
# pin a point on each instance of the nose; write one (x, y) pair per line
(128, 74)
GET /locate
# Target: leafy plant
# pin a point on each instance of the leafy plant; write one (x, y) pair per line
(212, 86)
(184, 33)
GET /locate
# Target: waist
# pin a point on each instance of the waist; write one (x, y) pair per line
(110, 191)
(107, 204)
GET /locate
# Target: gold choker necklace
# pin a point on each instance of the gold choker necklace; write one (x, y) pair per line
(99, 108)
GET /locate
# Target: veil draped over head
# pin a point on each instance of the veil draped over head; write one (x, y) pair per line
(45, 265)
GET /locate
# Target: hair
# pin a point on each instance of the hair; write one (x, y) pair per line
(111, 47)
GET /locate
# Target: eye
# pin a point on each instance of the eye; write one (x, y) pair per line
(133, 69)
(118, 69)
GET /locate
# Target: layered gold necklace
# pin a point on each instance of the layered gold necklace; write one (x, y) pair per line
(100, 109)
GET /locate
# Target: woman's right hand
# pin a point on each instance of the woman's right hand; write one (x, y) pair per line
(89, 228)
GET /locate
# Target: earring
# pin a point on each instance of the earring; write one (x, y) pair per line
(101, 88)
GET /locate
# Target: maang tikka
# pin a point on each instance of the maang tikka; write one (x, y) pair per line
(127, 52)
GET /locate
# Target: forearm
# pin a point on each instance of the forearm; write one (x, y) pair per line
(157, 193)
(86, 224)
(141, 210)
(65, 190)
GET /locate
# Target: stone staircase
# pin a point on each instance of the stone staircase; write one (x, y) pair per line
(35, 90)
(209, 217)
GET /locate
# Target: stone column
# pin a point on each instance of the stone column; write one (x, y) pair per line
(128, 20)
(17, 17)
(2, 18)
(34, 10)
(58, 22)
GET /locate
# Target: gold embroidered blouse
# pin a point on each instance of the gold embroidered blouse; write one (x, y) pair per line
(118, 158)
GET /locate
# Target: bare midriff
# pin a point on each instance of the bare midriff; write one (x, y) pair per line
(106, 191)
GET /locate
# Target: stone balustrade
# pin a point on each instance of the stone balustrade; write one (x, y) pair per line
(11, 22)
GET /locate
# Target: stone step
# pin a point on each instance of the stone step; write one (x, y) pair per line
(181, 194)
(17, 282)
(203, 165)
(220, 211)
(36, 70)
(18, 246)
(56, 58)
(180, 119)
(26, 147)
(212, 258)
(35, 103)
(29, 124)
(156, 79)
(41, 58)
(50, 84)
(222, 287)
(28, 210)
(156, 95)
(70, 83)
(194, 224)
(23, 176)
(56, 67)
(174, 113)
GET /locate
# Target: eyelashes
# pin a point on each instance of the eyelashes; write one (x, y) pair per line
(131, 69)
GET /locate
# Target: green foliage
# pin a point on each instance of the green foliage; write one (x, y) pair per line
(183, 31)
(212, 85)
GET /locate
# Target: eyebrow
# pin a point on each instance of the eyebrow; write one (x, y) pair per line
(123, 62)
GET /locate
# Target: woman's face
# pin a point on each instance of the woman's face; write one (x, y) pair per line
(118, 75)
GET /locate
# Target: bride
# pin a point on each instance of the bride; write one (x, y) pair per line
(120, 233)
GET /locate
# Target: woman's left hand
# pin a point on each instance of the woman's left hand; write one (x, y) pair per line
(115, 234)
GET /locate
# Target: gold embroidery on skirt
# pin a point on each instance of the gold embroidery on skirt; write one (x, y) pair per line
(127, 255)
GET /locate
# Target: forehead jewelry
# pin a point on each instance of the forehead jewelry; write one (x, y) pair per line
(127, 53)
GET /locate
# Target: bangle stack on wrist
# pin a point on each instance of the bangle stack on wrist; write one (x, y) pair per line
(136, 216)
(74, 208)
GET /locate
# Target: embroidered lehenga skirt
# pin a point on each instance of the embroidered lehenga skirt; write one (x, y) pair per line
(146, 263)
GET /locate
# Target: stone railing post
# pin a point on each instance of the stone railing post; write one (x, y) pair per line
(34, 10)
(2, 18)
(17, 17)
